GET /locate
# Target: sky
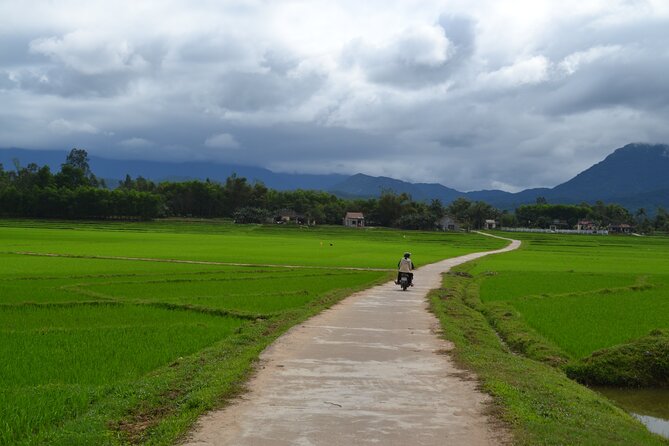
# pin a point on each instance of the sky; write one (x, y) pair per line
(472, 94)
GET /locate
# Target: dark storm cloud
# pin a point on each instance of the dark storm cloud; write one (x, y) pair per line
(633, 80)
(252, 91)
(6, 81)
(209, 50)
(473, 94)
(13, 51)
(70, 83)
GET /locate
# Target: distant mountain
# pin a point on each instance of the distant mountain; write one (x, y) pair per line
(508, 200)
(365, 186)
(631, 170)
(113, 170)
(634, 176)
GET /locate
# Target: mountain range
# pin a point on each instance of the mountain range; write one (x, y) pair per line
(114, 170)
(635, 176)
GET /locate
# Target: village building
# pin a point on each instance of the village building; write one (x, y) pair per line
(448, 223)
(290, 216)
(490, 224)
(622, 228)
(558, 224)
(354, 220)
(586, 225)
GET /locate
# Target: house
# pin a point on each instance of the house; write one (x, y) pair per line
(448, 223)
(288, 216)
(490, 224)
(586, 225)
(622, 228)
(558, 224)
(354, 220)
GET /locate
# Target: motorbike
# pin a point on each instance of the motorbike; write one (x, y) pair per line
(405, 281)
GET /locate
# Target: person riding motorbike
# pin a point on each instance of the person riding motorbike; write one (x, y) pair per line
(405, 266)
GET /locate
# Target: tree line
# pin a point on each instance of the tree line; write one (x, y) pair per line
(74, 192)
(599, 214)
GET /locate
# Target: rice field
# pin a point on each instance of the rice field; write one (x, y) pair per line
(100, 347)
(583, 293)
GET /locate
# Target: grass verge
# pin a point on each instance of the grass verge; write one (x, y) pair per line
(643, 362)
(539, 402)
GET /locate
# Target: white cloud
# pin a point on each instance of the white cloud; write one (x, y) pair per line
(413, 57)
(574, 61)
(65, 127)
(90, 52)
(222, 141)
(524, 72)
(137, 143)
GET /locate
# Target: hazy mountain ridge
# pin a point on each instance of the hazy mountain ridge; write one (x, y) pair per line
(111, 169)
(630, 170)
(635, 176)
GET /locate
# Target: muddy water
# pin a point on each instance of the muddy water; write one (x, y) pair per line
(650, 406)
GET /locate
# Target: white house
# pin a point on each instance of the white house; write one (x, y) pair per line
(490, 224)
(354, 220)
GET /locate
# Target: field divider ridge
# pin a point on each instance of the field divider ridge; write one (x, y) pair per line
(192, 262)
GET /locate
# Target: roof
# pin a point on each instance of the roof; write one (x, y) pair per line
(354, 215)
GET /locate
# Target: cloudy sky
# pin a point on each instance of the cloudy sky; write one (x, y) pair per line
(469, 93)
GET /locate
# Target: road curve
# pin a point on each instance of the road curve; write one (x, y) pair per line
(370, 370)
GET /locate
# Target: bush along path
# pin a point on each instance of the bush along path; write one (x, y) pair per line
(372, 369)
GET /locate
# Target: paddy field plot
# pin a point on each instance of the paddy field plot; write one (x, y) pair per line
(99, 348)
(583, 293)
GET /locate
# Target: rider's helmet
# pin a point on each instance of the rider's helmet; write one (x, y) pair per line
(407, 255)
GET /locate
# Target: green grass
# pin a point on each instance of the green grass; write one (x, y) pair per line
(583, 324)
(104, 351)
(537, 401)
(254, 244)
(511, 285)
(91, 344)
(58, 359)
(581, 293)
(641, 363)
(558, 301)
(261, 293)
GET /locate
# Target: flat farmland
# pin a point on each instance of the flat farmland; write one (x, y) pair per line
(583, 293)
(559, 309)
(100, 347)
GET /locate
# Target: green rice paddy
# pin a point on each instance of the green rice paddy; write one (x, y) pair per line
(583, 293)
(98, 347)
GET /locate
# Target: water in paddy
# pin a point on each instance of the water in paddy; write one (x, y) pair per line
(650, 406)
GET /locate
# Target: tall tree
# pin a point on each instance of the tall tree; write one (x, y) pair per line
(78, 158)
(459, 209)
(389, 207)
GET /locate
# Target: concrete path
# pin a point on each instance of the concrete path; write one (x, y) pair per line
(370, 370)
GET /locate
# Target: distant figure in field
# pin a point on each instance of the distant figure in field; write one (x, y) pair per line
(405, 265)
